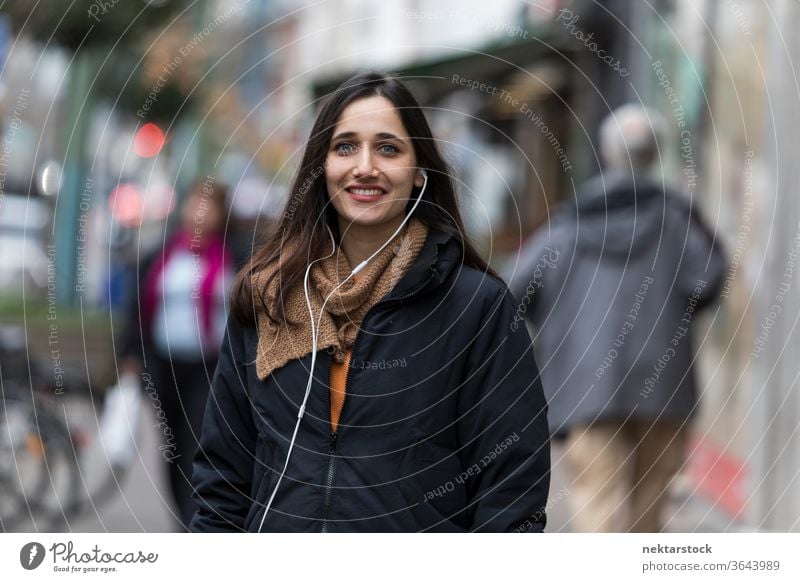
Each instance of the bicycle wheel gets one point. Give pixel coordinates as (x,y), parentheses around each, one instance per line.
(22,468)
(38,466)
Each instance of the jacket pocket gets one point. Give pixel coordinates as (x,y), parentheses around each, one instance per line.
(431,484)
(263,477)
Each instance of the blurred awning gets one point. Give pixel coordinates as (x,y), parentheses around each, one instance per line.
(526,68)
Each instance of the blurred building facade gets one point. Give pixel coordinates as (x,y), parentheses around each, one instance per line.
(515,91)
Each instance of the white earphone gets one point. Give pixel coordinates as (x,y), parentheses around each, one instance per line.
(314,328)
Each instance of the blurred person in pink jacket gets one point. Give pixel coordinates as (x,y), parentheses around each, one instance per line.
(176,321)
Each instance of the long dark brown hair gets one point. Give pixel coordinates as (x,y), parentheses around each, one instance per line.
(308,206)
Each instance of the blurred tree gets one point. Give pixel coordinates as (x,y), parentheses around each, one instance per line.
(95,27)
(107,37)
(85,23)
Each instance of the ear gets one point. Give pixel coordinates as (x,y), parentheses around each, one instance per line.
(418,179)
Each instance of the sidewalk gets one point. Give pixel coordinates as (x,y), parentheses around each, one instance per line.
(142,504)
(685,513)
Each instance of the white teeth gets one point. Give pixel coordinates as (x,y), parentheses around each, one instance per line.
(362,192)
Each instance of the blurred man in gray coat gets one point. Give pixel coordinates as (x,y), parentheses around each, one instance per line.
(613,285)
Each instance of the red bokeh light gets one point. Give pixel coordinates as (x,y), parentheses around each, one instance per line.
(149,140)
(126,205)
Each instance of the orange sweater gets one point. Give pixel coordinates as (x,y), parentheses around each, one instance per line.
(338,379)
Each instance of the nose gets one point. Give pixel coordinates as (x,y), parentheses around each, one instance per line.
(365,165)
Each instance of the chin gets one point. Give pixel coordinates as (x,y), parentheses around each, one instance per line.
(375,221)
(368,221)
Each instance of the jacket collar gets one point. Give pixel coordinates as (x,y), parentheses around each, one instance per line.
(437,259)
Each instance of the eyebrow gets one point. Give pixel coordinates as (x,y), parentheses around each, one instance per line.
(380,135)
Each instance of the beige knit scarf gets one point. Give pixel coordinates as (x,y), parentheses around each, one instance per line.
(338,326)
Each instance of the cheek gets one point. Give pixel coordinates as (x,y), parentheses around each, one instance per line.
(214,218)
(334,172)
(333,186)
(402,178)
(189,212)
(399,170)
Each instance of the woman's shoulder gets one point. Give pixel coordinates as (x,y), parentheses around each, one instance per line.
(469,282)
(241,336)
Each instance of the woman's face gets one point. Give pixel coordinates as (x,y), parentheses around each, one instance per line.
(371,166)
(202,215)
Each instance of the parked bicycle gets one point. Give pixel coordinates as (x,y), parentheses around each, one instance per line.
(42,455)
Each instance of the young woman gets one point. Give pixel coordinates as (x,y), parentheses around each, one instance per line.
(424,411)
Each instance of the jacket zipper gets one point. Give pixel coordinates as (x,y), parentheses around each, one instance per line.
(334,436)
(326,507)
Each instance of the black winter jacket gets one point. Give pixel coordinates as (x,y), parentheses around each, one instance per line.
(443,427)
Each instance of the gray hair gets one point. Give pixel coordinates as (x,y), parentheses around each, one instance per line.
(629,137)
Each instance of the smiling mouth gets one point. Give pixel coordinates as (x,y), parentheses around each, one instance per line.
(369,192)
